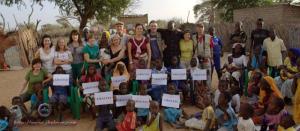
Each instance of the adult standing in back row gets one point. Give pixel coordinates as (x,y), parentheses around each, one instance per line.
(203,50)
(171,37)
(258,35)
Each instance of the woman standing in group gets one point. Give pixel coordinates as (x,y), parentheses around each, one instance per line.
(75,46)
(91,53)
(63,56)
(46,53)
(186,48)
(138,48)
(116,52)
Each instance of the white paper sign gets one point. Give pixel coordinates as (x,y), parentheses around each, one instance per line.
(199,74)
(143,74)
(159,79)
(91,87)
(170,100)
(141,101)
(104,98)
(117,80)
(122,100)
(61,79)
(178,74)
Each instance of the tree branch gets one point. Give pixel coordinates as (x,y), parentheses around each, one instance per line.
(77,7)
(29,16)
(3,19)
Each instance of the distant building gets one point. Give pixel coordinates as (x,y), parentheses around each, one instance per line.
(280,13)
(131,20)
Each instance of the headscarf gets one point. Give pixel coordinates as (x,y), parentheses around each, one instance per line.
(296,52)
(273,87)
(117,73)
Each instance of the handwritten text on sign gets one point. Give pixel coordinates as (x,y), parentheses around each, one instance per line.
(199,74)
(122,100)
(143,74)
(91,87)
(178,74)
(103,98)
(61,79)
(171,100)
(141,101)
(117,80)
(159,79)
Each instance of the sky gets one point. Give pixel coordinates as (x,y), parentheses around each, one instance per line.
(156,9)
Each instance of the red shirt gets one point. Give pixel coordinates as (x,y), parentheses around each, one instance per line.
(143,42)
(128,124)
(94,78)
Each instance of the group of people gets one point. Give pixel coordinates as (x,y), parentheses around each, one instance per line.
(253,89)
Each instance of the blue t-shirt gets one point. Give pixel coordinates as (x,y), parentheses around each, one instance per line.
(217,45)
(155,52)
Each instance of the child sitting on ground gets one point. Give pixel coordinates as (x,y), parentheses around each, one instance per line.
(6,120)
(287,123)
(143,112)
(19,109)
(154,120)
(235,91)
(253,88)
(36,99)
(129,121)
(119,112)
(105,116)
(206,122)
(59,96)
(228,67)
(245,122)
(173,115)
(225,115)
(222,87)
(157,90)
(201,91)
(274,114)
(88,100)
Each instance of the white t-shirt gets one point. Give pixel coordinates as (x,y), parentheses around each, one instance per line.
(47,59)
(235,102)
(245,125)
(240,61)
(64,56)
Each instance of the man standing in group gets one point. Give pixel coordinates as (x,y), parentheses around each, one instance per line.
(238,36)
(156,42)
(119,26)
(171,38)
(217,46)
(276,51)
(203,50)
(258,35)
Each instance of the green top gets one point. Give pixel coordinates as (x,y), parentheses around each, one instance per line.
(186,48)
(31,78)
(93,52)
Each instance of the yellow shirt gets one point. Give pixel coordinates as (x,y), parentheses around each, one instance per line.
(208,113)
(288,64)
(186,48)
(288,129)
(274,49)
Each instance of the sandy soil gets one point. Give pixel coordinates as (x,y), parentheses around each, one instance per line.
(11,83)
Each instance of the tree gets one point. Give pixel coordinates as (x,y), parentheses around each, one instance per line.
(84,10)
(206,9)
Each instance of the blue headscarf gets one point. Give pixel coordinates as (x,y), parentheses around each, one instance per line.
(296,52)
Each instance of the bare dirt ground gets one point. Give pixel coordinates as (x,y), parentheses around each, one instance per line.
(11,84)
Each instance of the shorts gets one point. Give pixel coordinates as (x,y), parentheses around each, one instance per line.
(58,98)
(105,122)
